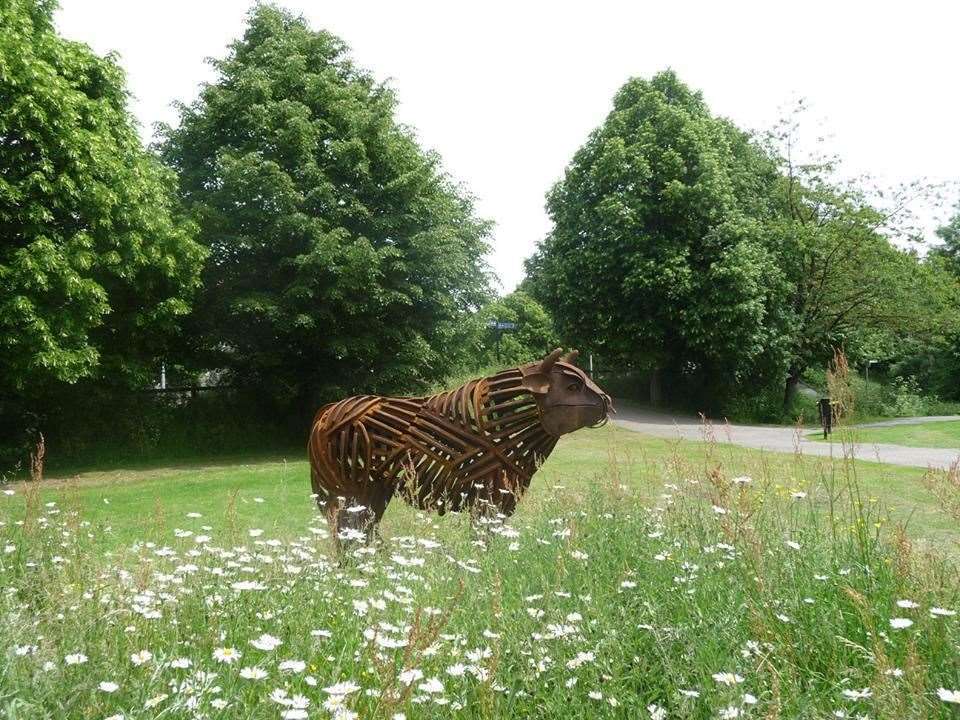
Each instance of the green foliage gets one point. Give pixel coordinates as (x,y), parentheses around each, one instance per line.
(682,244)
(851,288)
(658,255)
(342,259)
(949,234)
(905,398)
(533,337)
(95,266)
(98,426)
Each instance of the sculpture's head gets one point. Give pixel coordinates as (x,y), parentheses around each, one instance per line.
(568,399)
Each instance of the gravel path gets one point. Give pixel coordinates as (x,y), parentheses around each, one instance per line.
(778,439)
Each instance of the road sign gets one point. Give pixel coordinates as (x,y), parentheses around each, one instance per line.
(500,326)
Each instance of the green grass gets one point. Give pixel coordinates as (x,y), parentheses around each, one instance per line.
(273,491)
(634,571)
(944,434)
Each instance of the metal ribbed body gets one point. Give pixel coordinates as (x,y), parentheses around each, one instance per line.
(479,443)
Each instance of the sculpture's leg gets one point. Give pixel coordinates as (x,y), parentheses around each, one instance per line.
(497,499)
(378,498)
(483,509)
(354,520)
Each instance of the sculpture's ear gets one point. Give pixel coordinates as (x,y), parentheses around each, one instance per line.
(536,379)
(537,382)
(570,357)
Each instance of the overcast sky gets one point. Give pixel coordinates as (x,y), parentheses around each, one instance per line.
(507,91)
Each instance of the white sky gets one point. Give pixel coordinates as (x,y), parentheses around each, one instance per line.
(507,91)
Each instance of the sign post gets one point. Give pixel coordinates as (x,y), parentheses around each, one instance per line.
(499,326)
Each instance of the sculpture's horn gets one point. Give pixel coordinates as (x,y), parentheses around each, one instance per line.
(570,357)
(547,364)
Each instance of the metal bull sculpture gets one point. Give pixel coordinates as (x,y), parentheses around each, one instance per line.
(475,447)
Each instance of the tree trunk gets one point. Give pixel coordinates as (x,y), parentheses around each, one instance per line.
(790,390)
(656,396)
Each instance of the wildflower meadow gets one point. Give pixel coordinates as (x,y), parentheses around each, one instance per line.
(699,583)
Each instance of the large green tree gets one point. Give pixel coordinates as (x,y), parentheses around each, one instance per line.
(342,258)
(851,287)
(95,265)
(934,360)
(949,247)
(658,254)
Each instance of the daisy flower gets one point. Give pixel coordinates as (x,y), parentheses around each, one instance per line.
(141,658)
(267,642)
(727,678)
(227,655)
(949,696)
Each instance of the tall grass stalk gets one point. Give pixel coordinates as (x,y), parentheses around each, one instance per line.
(680,591)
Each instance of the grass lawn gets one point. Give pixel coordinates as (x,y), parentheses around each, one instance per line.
(274,491)
(640,578)
(944,434)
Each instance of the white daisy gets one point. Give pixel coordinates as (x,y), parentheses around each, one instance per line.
(141,658)
(727,678)
(227,655)
(267,642)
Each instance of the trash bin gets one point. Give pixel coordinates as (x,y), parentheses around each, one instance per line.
(826,416)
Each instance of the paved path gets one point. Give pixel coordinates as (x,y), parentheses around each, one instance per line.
(778,439)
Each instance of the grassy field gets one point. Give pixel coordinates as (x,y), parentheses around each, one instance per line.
(273,491)
(934,434)
(640,578)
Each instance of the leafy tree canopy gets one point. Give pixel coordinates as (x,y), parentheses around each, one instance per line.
(851,287)
(342,258)
(949,250)
(95,266)
(658,252)
(532,337)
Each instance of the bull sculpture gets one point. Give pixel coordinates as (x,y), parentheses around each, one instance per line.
(472,448)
